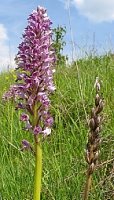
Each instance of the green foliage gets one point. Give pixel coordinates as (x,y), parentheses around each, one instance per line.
(64,165)
(59,43)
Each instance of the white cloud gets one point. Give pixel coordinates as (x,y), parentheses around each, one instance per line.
(5,54)
(95,10)
(3,34)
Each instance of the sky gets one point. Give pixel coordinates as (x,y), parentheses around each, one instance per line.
(89,25)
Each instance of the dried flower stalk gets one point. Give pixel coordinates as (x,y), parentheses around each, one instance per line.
(92,149)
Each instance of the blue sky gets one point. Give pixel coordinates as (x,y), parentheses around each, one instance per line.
(92,21)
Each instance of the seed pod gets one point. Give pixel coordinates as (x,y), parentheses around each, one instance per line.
(92,167)
(99,107)
(87,157)
(92,124)
(97,121)
(97,84)
(95,147)
(97,99)
(101,104)
(96,156)
(98,87)
(96,132)
(92,112)
(96,143)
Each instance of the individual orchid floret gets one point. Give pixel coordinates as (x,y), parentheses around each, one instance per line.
(37,130)
(25,145)
(47,131)
(24,117)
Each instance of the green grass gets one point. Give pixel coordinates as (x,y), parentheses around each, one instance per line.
(64,166)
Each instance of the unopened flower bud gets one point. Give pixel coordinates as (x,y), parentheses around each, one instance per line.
(24,117)
(25,145)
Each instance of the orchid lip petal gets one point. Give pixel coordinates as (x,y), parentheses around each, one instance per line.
(47,131)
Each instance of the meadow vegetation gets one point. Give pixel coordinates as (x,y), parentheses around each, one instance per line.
(64,165)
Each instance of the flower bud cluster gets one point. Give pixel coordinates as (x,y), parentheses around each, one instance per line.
(35,60)
(92,150)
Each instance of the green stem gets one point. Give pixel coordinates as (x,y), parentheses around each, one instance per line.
(38,172)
